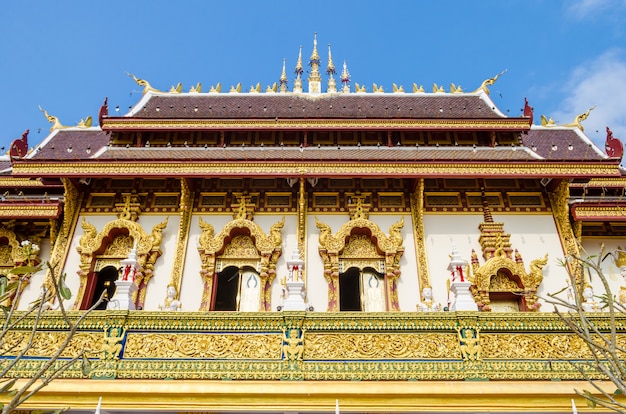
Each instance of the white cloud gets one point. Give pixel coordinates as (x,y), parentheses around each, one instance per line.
(601,82)
(581,9)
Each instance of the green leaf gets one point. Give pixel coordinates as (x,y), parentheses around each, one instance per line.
(589,399)
(85,365)
(24,270)
(65,292)
(8,385)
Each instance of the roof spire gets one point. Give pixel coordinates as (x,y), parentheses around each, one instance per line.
(283,78)
(330,70)
(297,85)
(315,80)
(345,78)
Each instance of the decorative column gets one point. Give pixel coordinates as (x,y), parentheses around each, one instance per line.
(125,284)
(460,287)
(295,294)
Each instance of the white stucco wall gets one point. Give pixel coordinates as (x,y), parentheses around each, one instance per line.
(532,235)
(32,291)
(592,247)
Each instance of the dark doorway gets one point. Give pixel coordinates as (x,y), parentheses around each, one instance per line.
(227,289)
(350,290)
(105,280)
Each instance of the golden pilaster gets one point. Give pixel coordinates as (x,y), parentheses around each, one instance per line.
(186,200)
(417,211)
(560,210)
(71,210)
(302,215)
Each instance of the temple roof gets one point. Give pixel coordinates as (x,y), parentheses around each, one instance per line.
(299,106)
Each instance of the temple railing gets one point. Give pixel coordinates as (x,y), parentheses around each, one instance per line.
(313,345)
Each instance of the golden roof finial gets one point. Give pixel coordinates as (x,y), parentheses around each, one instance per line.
(315,80)
(297,84)
(142,82)
(56,124)
(283,77)
(345,77)
(579,119)
(489,82)
(299,69)
(330,70)
(315,57)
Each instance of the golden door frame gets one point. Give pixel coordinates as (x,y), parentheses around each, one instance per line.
(488,279)
(212,248)
(93,243)
(390,249)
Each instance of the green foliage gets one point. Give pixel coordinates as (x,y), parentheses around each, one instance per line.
(25,270)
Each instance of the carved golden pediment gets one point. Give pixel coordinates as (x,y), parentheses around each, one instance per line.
(92,240)
(264,243)
(502,274)
(337,242)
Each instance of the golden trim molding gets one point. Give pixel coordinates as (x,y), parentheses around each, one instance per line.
(361,396)
(315,169)
(501,124)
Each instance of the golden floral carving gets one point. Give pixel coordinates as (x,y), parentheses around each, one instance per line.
(387,248)
(46,343)
(205,345)
(536,346)
(335,346)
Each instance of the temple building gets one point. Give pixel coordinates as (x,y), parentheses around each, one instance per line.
(308,247)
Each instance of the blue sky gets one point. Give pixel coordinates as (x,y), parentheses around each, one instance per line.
(67,56)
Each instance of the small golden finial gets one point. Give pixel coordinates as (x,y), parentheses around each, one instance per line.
(196,89)
(271,89)
(345,77)
(216,89)
(235,89)
(177,89)
(397,89)
(437,89)
(377,89)
(578,120)
(283,78)
(455,89)
(417,89)
(546,121)
(255,89)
